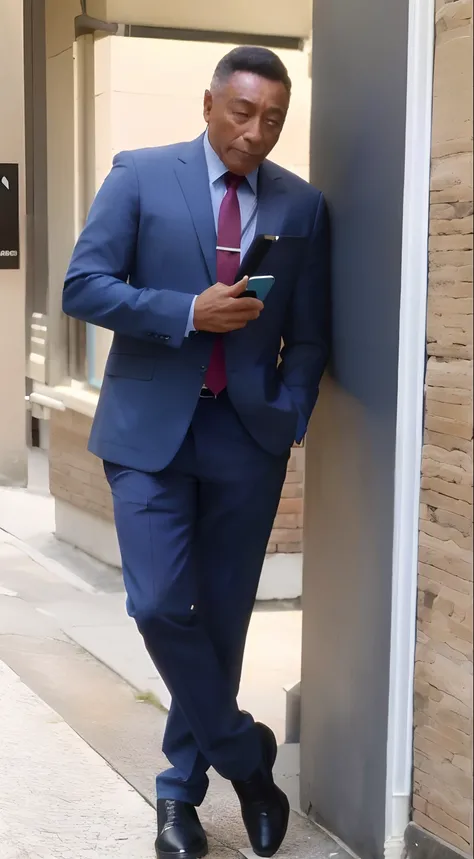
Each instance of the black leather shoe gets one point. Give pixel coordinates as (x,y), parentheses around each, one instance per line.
(265,808)
(180,834)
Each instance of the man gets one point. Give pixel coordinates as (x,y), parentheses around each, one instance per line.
(197,414)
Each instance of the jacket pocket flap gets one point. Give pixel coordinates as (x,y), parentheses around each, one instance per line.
(130,366)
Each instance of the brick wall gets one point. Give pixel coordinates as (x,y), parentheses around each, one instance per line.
(288,531)
(78,478)
(443,687)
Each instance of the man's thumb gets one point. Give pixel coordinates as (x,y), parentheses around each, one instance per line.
(238,288)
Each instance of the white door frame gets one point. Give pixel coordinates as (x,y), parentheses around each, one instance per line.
(409,437)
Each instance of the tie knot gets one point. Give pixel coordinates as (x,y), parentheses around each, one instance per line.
(233,181)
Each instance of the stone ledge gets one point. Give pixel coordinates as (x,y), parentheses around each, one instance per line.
(282,574)
(421,844)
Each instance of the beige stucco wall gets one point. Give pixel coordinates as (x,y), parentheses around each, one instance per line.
(276,17)
(149,92)
(157,89)
(443,700)
(12,283)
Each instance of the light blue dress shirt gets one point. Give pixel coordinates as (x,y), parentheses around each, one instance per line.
(247,194)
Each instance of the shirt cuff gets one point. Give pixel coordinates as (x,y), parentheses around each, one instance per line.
(190,326)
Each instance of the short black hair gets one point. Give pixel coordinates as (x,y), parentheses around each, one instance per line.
(257,61)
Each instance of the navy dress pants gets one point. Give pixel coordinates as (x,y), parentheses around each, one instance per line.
(193,539)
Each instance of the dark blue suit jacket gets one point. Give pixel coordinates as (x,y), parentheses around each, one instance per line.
(148,247)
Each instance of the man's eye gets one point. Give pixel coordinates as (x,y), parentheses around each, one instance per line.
(241,114)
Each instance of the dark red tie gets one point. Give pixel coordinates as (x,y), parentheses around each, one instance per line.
(229,235)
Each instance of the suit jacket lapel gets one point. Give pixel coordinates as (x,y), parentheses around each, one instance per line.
(272,203)
(272,212)
(191,171)
(271,200)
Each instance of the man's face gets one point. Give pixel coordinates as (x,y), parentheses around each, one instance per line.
(245,115)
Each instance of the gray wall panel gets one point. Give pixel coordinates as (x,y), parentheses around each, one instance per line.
(358,142)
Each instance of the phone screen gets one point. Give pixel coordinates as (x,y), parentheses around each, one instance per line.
(261,285)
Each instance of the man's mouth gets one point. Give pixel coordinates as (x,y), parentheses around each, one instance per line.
(246,154)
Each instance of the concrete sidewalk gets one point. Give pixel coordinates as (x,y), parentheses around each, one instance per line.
(58,798)
(63,627)
(87,600)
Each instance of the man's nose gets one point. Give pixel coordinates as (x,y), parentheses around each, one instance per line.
(253,132)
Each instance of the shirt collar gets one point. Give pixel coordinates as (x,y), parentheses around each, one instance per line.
(217,169)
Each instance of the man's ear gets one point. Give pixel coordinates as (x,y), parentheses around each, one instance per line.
(207,104)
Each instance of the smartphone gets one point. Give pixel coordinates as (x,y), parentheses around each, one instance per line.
(260,285)
(256,255)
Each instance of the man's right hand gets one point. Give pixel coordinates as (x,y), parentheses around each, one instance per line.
(220,309)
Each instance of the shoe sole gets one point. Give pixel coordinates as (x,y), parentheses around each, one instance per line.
(200,855)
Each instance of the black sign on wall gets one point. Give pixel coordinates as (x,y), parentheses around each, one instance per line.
(9,217)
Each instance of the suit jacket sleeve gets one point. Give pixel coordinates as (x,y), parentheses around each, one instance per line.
(96,288)
(306,334)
